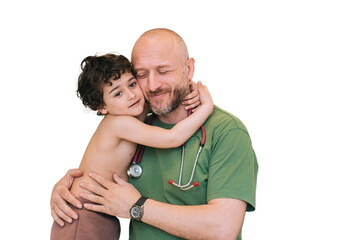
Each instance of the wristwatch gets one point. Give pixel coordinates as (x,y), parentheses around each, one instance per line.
(137,210)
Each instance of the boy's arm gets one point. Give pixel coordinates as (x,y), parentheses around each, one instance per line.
(145,112)
(191,101)
(133,130)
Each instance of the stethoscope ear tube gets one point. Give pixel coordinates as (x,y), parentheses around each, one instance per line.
(135,169)
(187,186)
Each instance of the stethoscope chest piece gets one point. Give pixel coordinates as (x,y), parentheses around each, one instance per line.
(134,170)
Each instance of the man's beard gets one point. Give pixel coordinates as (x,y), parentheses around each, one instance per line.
(178,94)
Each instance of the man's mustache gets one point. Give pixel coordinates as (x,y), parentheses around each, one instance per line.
(157,92)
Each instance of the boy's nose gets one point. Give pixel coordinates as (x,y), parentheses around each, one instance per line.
(131,95)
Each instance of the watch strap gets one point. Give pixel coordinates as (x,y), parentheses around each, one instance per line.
(141,201)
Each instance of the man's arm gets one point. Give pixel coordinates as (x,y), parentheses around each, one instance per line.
(220,218)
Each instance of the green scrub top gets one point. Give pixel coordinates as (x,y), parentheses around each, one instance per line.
(227,168)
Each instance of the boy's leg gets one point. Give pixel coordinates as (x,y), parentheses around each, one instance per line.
(90,226)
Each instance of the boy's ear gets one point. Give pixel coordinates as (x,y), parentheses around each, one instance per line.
(103,111)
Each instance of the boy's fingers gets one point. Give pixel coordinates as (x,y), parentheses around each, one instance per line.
(192,105)
(191,95)
(192,101)
(193,86)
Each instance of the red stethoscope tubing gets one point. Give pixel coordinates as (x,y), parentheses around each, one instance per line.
(140,151)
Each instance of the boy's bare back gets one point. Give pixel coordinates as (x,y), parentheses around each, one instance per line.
(105,154)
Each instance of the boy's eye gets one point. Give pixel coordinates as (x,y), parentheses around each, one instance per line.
(117,94)
(132,84)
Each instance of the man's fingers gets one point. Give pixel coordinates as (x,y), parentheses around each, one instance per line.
(93,198)
(96,208)
(56,218)
(118,180)
(59,214)
(71,175)
(75,172)
(68,197)
(93,188)
(63,210)
(100,179)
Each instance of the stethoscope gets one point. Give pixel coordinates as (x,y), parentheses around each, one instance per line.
(135,169)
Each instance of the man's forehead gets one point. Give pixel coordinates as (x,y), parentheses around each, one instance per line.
(153,58)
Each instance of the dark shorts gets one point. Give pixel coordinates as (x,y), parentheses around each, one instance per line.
(90,226)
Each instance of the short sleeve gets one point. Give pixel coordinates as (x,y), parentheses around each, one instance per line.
(233,168)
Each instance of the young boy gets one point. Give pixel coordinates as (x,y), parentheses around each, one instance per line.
(108,84)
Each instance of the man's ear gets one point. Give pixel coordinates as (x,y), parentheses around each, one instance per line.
(190,68)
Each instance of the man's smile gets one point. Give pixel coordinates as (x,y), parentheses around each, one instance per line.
(158,95)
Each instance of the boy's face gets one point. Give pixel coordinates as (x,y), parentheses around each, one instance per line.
(123,97)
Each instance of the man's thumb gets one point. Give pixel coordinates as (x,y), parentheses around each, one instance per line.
(117,179)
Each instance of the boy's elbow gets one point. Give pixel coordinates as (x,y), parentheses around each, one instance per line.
(174,142)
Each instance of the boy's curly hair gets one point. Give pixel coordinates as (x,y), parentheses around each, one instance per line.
(98,71)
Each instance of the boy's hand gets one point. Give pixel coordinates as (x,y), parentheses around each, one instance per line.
(192,100)
(205,97)
(61,195)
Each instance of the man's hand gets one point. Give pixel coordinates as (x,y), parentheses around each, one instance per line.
(114,199)
(61,195)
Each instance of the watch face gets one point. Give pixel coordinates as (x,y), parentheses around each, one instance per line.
(135,212)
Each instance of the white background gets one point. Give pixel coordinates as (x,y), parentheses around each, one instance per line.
(288,69)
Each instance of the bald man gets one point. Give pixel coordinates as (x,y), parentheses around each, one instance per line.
(226,169)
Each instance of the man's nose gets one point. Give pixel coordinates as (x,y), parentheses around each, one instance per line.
(153,82)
